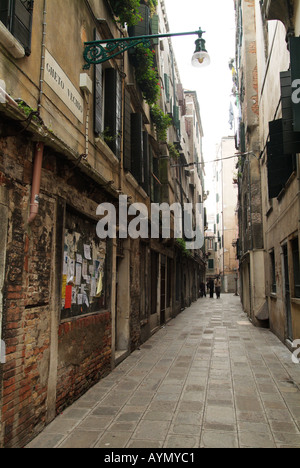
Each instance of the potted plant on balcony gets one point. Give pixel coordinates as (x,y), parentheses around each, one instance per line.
(127,11)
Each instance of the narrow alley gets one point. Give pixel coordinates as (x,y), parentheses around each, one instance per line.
(207,379)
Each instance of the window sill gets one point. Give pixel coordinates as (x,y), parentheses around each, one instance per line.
(273,296)
(10,43)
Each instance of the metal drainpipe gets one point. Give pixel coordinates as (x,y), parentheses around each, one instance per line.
(39,148)
(36,181)
(42,70)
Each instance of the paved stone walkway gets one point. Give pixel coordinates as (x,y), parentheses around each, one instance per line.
(207,379)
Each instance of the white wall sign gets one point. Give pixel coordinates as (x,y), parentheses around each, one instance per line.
(62,86)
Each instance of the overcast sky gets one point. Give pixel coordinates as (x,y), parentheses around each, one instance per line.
(213,84)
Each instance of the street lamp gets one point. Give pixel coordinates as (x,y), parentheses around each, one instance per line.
(97,52)
(200,57)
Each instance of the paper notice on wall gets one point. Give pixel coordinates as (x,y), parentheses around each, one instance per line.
(99,285)
(86,300)
(87,252)
(84,268)
(65,265)
(78,258)
(93,287)
(74,296)
(78,274)
(70,271)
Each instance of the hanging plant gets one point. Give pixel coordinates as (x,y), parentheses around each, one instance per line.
(146,74)
(161,122)
(127,11)
(152,4)
(173,151)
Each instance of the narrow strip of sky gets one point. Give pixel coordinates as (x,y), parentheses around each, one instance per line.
(213,84)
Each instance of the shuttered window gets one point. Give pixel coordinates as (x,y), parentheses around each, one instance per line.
(146,162)
(127,131)
(16,15)
(167,87)
(113,110)
(137,160)
(143,27)
(154,22)
(280,165)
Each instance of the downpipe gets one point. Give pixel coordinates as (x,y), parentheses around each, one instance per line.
(36,182)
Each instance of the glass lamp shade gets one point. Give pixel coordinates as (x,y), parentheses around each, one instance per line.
(201,59)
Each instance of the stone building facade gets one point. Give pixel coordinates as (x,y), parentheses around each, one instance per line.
(72,304)
(268,139)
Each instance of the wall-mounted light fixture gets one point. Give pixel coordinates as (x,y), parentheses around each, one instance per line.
(97,52)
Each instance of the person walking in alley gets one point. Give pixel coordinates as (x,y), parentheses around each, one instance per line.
(211,288)
(202,290)
(218,287)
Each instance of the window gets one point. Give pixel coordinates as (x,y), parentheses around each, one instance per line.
(211,264)
(167,87)
(16,15)
(273,272)
(296,267)
(113,110)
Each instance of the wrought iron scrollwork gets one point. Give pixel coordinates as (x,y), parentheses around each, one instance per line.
(99,52)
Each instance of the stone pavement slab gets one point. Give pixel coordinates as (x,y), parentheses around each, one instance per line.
(208,379)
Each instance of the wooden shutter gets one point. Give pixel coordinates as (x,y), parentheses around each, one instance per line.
(137,162)
(113,110)
(98,94)
(143,27)
(146,185)
(21,25)
(291,139)
(280,166)
(5,13)
(127,132)
(167,87)
(154,22)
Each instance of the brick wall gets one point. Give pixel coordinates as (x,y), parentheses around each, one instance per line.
(84,348)
(25,327)
(84,356)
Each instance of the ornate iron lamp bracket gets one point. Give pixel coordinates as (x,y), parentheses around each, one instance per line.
(98,52)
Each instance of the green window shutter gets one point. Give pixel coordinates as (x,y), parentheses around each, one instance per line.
(291,138)
(167,87)
(127,132)
(5,13)
(143,27)
(21,25)
(113,109)
(176,119)
(98,95)
(280,165)
(154,22)
(146,184)
(137,163)
(16,15)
